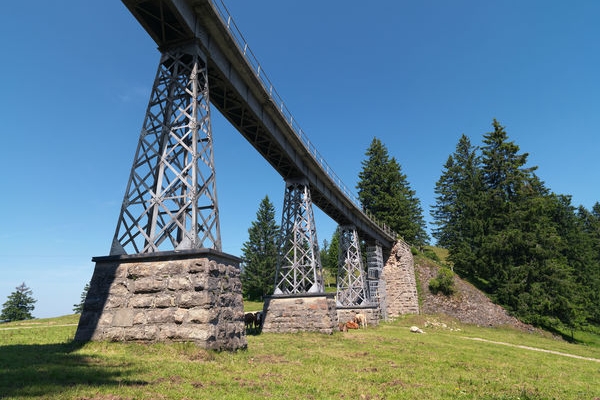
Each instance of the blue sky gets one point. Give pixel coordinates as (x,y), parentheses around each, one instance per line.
(76,77)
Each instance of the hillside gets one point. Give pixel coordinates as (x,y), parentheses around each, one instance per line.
(468,305)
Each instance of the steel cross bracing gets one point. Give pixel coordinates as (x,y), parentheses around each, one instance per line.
(299,267)
(351,290)
(243,93)
(171,199)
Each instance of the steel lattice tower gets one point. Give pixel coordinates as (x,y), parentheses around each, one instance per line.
(351,289)
(299,268)
(171,200)
(377,290)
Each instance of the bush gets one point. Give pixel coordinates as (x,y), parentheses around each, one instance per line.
(443,282)
(429,253)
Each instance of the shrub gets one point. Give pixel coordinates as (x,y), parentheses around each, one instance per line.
(429,253)
(443,282)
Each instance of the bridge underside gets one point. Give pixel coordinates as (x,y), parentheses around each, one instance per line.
(239,93)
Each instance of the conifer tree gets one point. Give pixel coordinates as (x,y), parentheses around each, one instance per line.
(456,213)
(260,254)
(508,233)
(19,304)
(78,308)
(385,192)
(587,269)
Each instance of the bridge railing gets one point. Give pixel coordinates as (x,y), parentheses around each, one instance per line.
(253,62)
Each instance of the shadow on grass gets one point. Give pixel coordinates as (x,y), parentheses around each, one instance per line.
(43,370)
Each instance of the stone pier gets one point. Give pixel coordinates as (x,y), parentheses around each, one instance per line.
(307,312)
(400,282)
(187,296)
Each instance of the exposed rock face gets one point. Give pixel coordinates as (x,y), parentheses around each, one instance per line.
(195,297)
(300,313)
(400,283)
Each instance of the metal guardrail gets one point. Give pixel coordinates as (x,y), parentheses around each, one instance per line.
(252,61)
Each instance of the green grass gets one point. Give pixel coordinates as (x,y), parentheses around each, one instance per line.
(38,360)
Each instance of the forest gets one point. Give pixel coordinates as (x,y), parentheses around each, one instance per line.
(531,250)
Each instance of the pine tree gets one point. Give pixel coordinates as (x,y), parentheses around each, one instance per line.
(384,191)
(260,254)
(78,308)
(19,305)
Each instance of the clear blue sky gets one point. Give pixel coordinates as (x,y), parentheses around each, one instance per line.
(76,76)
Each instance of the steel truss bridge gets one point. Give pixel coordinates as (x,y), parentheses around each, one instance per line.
(171,200)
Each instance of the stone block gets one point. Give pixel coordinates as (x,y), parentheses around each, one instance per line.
(194,299)
(123,317)
(141,270)
(164,300)
(179,283)
(171,268)
(160,316)
(148,285)
(142,300)
(198,316)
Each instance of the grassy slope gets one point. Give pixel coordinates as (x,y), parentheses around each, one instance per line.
(38,360)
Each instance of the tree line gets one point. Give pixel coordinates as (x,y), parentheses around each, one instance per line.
(530,249)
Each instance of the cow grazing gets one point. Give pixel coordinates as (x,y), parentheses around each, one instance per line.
(361,320)
(351,325)
(258,319)
(249,320)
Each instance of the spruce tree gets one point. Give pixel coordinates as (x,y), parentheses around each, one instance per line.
(19,305)
(260,254)
(508,233)
(587,267)
(78,308)
(456,214)
(385,192)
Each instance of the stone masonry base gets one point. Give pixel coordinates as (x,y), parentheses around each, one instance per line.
(190,296)
(300,313)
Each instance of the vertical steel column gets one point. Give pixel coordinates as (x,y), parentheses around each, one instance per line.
(377,292)
(299,268)
(351,290)
(171,200)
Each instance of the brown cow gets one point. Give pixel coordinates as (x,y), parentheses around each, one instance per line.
(351,325)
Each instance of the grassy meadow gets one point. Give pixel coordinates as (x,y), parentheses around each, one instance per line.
(449,361)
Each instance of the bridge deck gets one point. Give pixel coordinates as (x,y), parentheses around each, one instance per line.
(240,90)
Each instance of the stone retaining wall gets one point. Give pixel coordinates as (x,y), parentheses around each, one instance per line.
(300,313)
(169,296)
